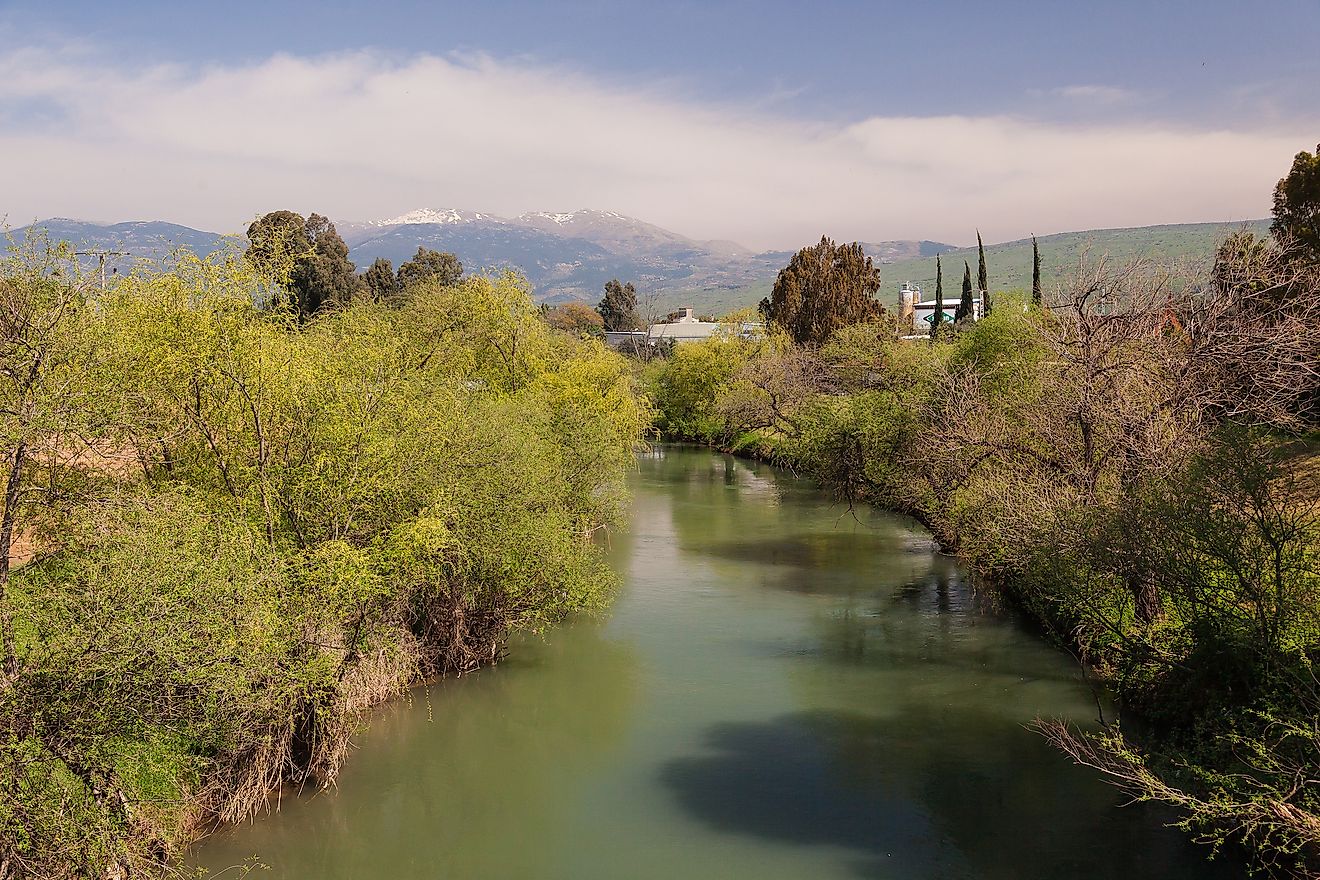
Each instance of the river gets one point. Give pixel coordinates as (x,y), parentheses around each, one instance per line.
(784,689)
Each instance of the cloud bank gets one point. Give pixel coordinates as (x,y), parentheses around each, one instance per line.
(363,135)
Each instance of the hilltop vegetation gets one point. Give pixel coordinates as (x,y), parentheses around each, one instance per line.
(1192,245)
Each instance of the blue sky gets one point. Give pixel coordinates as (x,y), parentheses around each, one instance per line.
(803,85)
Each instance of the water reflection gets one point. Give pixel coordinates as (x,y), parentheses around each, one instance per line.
(938,792)
(785,689)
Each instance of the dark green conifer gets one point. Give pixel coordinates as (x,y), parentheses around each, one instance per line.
(822,289)
(937,318)
(982,279)
(964,312)
(1036,299)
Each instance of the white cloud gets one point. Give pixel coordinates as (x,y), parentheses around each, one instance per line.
(1094,94)
(360,135)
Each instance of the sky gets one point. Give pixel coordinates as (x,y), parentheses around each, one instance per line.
(765,123)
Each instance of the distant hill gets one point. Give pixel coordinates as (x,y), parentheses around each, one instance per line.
(139,241)
(566,255)
(1008,263)
(571,255)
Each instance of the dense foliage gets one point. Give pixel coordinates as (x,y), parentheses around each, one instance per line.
(1135,466)
(431,266)
(1297,205)
(247,528)
(618,308)
(305,257)
(823,288)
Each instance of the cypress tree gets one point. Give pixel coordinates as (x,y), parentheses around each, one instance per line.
(1035,274)
(982,279)
(937,318)
(964,310)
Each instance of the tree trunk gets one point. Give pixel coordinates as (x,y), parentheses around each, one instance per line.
(1147,599)
(8,663)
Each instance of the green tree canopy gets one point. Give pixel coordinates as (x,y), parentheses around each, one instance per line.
(380,281)
(444,269)
(575,317)
(306,257)
(822,289)
(618,308)
(1297,205)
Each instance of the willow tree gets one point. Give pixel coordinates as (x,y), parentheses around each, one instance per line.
(822,289)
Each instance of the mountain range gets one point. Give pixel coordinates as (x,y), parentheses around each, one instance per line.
(565,255)
(571,255)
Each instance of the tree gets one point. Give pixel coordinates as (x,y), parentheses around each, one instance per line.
(938,318)
(276,242)
(1297,206)
(380,282)
(575,317)
(1036,299)
(326,277)
(824,288)
(982,279)
(443,269)
(965,310)
(306,257)
(618,308)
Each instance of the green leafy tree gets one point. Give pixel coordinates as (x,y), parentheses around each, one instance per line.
(575,317)
(443,269)
(1297,205)
(618,308)
(982,278)
(937,319)
(380,282)
(824,288)
(325,278)
(1036,298)
(306,257)
(276,243)
(965,310)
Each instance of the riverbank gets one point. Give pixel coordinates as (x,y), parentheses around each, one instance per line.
(778,692)
(1084,464)
(321,514)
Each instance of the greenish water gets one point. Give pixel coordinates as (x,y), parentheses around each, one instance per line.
(783,690)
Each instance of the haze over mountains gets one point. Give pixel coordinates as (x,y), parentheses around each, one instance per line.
(566,255)
(571,255)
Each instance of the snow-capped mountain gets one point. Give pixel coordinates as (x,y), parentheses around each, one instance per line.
(432,215)
(566,255)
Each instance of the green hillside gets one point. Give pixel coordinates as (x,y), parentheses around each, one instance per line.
(1010,262)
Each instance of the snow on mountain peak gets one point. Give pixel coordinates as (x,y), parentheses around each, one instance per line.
(433,215)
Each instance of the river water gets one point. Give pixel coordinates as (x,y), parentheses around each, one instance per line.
(784,689)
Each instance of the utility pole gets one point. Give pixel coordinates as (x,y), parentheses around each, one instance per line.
(101,255)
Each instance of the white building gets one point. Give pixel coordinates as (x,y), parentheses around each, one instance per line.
(916,315)
(687,328)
